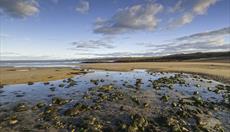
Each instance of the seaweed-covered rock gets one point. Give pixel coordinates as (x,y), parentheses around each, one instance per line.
(40,105)
(59,101)
(138,83)
(105,88)
(168,81)
(165,98)
(208,123)
(21,107)
(13,120)
(94,81)
(77,109)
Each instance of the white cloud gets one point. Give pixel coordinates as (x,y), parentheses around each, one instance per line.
(185,19)
(82,6)
(136,17)
(19,8)
(177,7)
(92,44)
(200,8)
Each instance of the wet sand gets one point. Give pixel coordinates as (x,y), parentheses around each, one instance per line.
(217,71)
(25,75)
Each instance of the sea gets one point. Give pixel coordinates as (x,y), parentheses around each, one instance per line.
(39,63)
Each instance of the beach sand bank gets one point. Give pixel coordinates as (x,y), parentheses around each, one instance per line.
(25,75)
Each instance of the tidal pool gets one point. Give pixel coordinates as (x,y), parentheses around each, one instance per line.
(117,101)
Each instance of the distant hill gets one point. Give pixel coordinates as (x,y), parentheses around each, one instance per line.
(199,56)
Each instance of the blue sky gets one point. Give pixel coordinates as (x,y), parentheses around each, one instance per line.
(75,29)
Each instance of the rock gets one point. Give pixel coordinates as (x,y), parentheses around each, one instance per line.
(1,91)
(146,105)
(30,83)
(208,123)
(121,108)
(138,83)
(72,112)
(138,123)
(19,95)
(134,99)
(165,98)
(52,88)
(132,128)
(50,113)
(168,81)
(71,82)
(174,104)
(220,87)
(198,100)
(77,109)
(40,105)
(50,109)
(13,120)
(105,88)
(94,81)
(59,101)
(21,107)
(46,83)
(1,85)
(195,93)
(61,85)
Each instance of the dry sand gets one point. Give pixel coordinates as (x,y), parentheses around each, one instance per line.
(217,71)
(25,75)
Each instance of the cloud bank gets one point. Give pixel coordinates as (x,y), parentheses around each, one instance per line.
(136,17)
(210,41)
(19,8)
(205,41)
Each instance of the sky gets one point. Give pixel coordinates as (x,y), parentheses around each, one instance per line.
(78,29)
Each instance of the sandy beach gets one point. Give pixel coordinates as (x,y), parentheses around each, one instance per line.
(217,71)
(25,75)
